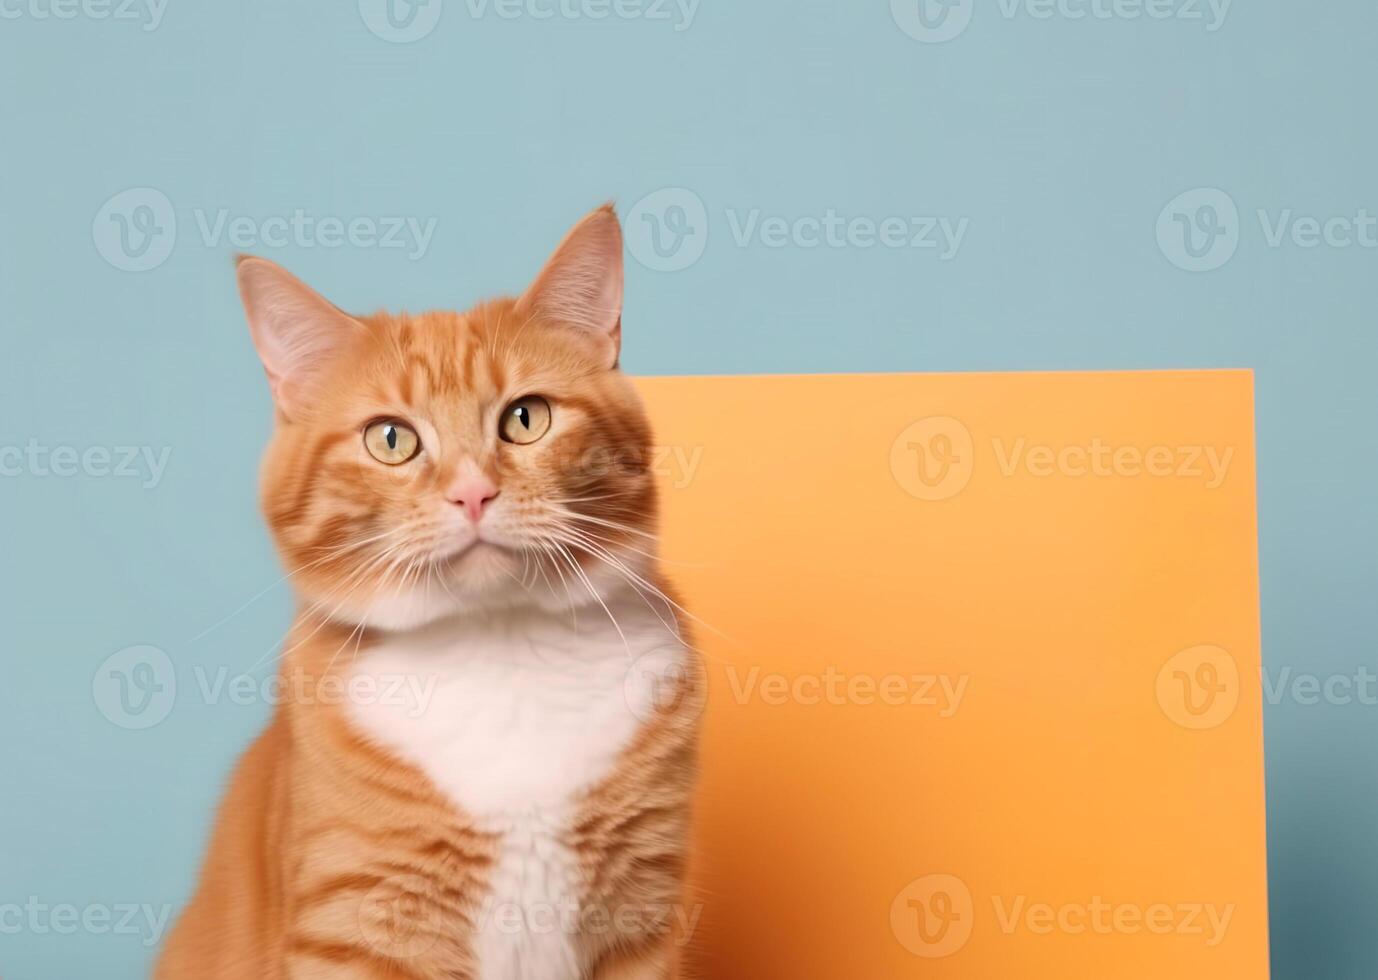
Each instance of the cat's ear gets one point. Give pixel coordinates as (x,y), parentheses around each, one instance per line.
(581,284)
(295,330)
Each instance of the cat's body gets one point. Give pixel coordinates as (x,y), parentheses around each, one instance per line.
(482,768)
(526,718)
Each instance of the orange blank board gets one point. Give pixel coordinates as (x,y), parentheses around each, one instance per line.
(982,655)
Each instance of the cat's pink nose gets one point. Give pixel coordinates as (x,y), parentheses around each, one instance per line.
(473,492)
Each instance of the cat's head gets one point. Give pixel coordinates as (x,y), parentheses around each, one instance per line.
(437,463)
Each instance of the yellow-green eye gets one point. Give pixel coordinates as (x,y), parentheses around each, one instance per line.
(525,420)
(391,442)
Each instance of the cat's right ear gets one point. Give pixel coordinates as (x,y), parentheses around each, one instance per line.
(295,330)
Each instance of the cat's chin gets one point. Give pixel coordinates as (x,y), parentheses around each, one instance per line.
(489,579)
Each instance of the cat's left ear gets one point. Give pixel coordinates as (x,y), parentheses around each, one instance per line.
(581,284)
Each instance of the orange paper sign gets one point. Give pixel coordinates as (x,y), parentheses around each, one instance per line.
(983,663)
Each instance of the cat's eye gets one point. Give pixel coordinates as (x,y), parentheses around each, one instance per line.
(525,420)
(391,442)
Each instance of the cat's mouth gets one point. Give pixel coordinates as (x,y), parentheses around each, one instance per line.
(472,549)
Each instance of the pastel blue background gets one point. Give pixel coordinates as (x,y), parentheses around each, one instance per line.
(1060,140)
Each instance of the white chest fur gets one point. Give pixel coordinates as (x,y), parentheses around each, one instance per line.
(514,718)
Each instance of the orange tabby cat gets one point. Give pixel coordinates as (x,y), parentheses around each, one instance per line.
(475,771)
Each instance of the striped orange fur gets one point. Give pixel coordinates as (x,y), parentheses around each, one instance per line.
(520,808)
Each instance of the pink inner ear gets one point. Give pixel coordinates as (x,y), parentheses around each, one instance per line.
(581,284)
(294,329)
